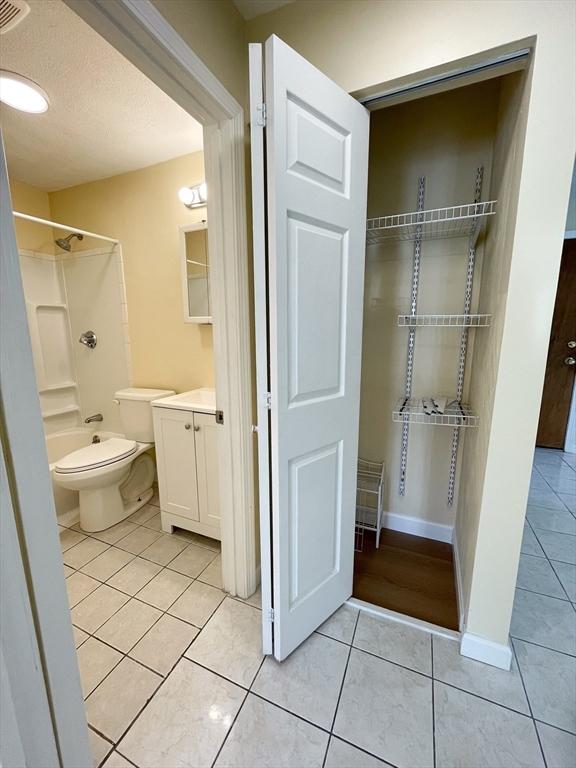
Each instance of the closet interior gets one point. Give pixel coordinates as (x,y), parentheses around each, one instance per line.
(435,170)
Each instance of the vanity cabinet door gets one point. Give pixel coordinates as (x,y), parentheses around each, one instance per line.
(207,469)
(176,461)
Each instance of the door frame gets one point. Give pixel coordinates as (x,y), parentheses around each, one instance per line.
(139,31)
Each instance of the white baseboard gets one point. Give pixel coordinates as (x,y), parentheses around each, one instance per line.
(459,585)
(417,527)
(480,648)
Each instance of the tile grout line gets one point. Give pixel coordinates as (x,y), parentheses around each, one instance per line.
(515,656)
(546,647)
(554,491)
(558,577)
(545,594)
(337,707)
(557,727)
(550,561)
(240,708)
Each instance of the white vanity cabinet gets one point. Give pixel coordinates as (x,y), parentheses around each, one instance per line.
(185,434)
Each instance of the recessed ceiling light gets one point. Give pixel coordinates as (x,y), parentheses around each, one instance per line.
(21,93)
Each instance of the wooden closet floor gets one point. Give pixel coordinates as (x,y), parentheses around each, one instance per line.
(408,574)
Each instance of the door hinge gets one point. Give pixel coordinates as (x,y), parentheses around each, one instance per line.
(271,615)
(267,400)
(261,114)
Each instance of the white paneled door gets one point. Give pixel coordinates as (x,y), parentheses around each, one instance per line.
(309,297)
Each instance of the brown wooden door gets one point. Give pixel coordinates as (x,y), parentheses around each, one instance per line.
(559,380)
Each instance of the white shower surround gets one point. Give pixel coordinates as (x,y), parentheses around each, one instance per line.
(67,294)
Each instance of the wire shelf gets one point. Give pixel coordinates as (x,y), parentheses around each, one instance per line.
(445,321)
(433,224)
(369,500)
(455,414)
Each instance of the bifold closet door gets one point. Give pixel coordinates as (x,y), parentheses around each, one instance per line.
(312,281)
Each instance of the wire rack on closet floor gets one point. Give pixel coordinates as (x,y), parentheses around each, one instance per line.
(369,500)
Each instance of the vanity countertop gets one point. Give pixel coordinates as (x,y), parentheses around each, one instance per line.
(199,400)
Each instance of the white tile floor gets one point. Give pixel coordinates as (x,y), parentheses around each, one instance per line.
(173,675)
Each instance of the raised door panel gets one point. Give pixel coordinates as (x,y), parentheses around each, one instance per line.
(207,470)
(176,461)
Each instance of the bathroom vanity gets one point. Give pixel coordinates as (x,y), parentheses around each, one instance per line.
(186,455)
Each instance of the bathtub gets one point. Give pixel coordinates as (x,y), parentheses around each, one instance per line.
(58,445)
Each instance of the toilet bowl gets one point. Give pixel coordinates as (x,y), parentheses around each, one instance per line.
(114,477)
(100,472)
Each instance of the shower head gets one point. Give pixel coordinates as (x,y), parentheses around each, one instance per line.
(64,242)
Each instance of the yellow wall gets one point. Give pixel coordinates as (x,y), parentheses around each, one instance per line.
(142,210)
(214,30)
(27,199)
(444,138)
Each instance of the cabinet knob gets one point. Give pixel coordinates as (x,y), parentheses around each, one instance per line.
(187,426)
(196,428)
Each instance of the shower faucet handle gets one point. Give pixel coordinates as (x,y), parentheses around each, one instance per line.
(88,338)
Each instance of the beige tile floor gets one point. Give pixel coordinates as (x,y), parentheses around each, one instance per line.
(173,675)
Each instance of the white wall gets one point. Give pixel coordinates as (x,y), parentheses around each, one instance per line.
(96,301)
(444,138)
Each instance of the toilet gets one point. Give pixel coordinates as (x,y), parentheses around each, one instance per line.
(114,477)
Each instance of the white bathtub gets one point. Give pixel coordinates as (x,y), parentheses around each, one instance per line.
(58,445)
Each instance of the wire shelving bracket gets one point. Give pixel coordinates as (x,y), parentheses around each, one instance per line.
(445,321)
(413,410)
(432,224)
(456,221)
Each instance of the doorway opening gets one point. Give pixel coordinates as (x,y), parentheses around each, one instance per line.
(427,318)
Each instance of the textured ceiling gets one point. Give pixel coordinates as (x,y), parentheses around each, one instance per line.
(105,116)
(251,8)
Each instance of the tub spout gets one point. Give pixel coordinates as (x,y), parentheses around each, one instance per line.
(95,417)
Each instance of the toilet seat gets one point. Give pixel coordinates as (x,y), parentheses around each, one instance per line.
(97,455)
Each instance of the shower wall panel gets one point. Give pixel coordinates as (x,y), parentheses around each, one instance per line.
(96,300)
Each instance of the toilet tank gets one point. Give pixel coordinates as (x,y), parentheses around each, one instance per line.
(136,411)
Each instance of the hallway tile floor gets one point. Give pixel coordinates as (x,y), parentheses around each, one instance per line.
(173,675)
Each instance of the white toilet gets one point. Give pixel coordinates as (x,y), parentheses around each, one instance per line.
(114,477)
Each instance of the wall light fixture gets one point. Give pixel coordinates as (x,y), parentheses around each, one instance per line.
(193,197)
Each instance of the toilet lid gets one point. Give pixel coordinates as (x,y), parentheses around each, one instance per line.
(97,455)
